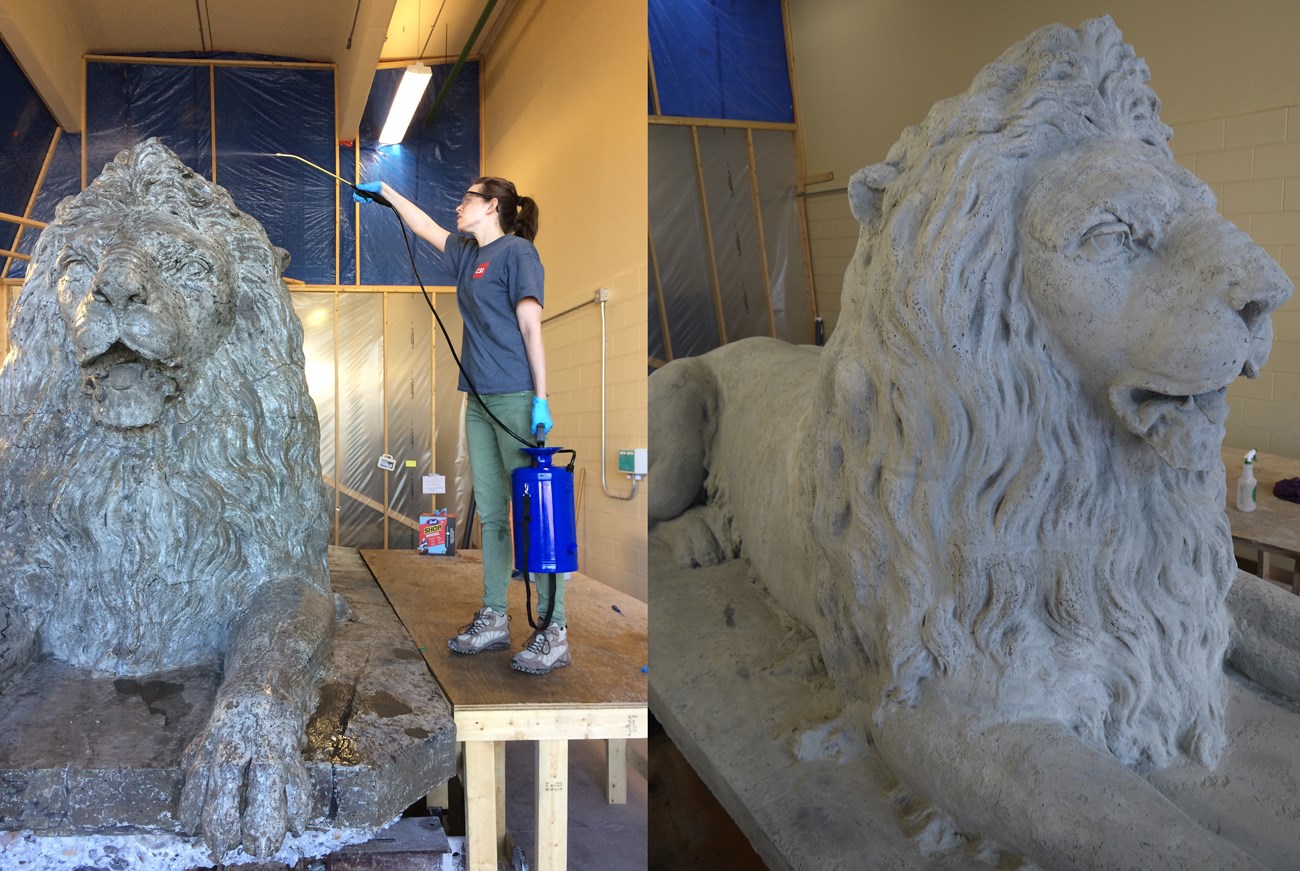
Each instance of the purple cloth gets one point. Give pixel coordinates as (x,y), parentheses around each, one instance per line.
(1288,489)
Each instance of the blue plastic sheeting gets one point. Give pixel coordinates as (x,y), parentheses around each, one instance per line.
(433,167)
(62,179)
(26,129)
(261,111)
(721,59)
(347,223)
(128,103)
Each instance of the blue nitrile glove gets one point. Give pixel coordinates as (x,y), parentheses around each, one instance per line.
(371,186)
(541,416)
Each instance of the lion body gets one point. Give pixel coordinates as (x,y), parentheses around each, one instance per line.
(996,496)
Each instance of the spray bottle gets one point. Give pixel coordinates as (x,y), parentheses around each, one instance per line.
(1246,484)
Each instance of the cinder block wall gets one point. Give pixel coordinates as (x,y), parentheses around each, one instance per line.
(1252,162)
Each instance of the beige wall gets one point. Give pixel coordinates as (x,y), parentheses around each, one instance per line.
(1228,76)
(1252,161)
(565,120)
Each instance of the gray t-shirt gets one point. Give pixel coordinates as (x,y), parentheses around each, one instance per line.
(490,282)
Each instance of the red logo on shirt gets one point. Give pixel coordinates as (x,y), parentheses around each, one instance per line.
(481,270)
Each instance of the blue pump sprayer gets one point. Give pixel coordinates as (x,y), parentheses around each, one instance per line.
(546,541)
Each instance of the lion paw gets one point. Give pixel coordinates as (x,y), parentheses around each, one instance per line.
(245,782)
(697,539)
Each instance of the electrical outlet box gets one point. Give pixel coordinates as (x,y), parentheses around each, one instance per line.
(632,462)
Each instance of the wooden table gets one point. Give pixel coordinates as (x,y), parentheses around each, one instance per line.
(1274,526)
(601,695)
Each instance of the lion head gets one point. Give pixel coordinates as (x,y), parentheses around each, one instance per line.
(159,450)
(1021,485)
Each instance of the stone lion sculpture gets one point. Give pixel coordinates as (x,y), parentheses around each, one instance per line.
(1019,569)
(159,459)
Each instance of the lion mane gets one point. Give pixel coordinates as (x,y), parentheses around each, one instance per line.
(130,550)
(962,554)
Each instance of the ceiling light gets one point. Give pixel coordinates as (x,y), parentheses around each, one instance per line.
(415,81)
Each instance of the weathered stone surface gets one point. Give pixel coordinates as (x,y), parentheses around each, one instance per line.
(163,507)
(102,756)
(995,497)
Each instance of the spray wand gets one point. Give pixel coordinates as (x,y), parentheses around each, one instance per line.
(370,195)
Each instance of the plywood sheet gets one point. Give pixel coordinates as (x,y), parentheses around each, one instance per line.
(435,596)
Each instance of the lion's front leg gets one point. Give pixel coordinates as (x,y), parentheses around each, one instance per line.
(1266,634)
(1034,788)
(245,780)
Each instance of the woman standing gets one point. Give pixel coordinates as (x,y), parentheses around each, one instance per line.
(499,281)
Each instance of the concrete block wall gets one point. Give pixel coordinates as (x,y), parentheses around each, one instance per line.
(611,531)
(1252,163)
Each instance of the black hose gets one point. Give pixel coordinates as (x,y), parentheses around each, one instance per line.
(528,596)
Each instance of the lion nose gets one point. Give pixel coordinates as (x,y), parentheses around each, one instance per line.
(1257,287)
(121,281)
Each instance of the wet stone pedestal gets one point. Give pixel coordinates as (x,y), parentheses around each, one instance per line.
(90,773)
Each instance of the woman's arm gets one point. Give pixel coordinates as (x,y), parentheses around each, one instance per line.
(529,315)
(416,218)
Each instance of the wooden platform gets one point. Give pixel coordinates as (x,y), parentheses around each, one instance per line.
(601,695)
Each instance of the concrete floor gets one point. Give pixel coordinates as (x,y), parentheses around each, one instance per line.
(602,836)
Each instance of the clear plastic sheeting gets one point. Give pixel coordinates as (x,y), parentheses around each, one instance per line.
(448,403)
(62,179)
(27,129)
(409,392)
(432,166)
(724,156)
(316,311)
(778,189)
(677,234)
(127,103)
(360,362)
(721,59)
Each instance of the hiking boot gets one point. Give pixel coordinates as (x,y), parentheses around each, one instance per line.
(487,631)
(544,651)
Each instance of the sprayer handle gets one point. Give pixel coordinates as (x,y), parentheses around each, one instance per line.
(372,196)
(539,435)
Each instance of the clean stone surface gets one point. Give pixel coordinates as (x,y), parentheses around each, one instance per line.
(995,497)
(100,758)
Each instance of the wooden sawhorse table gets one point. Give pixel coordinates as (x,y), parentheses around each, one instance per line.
(1273,528)
(601,695)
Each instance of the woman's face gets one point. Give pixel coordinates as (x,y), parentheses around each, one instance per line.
(475,209)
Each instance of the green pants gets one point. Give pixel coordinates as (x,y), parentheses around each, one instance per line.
(493,455)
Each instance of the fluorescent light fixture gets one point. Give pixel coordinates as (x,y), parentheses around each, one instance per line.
(415,81)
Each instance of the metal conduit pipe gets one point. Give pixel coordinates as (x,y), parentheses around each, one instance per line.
(603,461)
(460,62)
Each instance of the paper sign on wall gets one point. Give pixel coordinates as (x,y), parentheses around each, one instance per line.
(435,484)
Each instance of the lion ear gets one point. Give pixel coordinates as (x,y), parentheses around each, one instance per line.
(866,187)
(282,257)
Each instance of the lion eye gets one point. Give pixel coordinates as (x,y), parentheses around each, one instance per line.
(192,268)
(1108,240)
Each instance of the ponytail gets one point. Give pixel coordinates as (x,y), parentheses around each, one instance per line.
(516,214)
(526,222)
